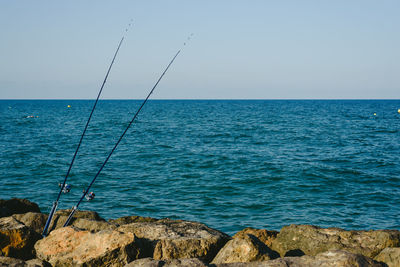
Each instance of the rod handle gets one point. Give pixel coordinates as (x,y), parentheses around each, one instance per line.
(49,219)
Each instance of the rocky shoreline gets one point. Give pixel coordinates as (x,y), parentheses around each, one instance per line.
(143,241)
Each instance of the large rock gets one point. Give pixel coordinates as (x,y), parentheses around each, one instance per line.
(390,256)
(12,262)
(173,239)
(73,247)
(149,262)
(16,239)
(17,206)
(263,235)
(244,248)
(297,240)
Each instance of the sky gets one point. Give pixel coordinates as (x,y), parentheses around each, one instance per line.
(258,49)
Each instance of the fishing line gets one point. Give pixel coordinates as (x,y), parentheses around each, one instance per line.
(63,187)
(120,138)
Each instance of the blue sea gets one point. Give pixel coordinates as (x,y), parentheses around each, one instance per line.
(227,163)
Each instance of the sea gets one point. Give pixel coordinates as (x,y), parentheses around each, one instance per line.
(229,164)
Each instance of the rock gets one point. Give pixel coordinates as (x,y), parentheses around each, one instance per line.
(390,256)
(34,220)
(325,259)
(263,235)
(37,263)
(16,239)
(173,239)
(12,262)
(146,262)
(37,221)
(82,214)
(74,247)
(131,219)
(17,206)
(244,248)
(297,240)
(7,261)
(149,262)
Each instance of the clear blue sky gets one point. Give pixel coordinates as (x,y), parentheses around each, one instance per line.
(241,49)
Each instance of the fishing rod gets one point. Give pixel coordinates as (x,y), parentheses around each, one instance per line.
(91,195)
(64,187)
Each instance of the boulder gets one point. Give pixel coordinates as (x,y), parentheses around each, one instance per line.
(70,246)
(12,262)
(17,206)
(297,240)
(244,248)
(16,239)
(131,219)
(174,239)
(390,256)
(263,235)
(149,262)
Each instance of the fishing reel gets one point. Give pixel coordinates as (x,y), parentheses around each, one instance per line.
(66,188)
(89,196)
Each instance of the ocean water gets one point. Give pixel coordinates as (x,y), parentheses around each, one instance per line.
(229,164)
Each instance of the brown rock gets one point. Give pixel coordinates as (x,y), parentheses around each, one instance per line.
(71,246)
(263,235)
(172,239)
(244,248)
(17,206)
(16,240)
(390,256)
(131,219)
(297,240)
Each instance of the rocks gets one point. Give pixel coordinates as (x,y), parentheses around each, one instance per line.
(16,206)
(244,248)
(71,246)
(172,239)
(296,240)
(390,256)
(16,239)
